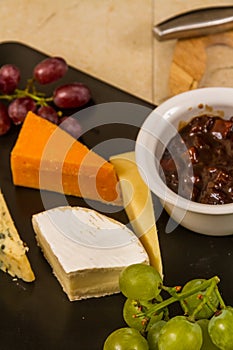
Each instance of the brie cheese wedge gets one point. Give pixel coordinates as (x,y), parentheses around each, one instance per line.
(86,250)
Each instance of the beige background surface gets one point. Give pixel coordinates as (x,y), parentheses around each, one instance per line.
(110,39)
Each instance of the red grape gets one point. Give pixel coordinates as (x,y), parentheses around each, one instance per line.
(22,100)
(9,78)
(5,122)
(19,108)
(71,95)
(71,125)
(49,113)
(50,70)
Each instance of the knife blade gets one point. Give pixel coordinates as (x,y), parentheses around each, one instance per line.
(195,23)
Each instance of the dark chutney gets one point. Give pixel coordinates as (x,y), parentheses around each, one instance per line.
(198,161)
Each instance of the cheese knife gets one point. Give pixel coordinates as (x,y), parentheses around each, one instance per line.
(195,23)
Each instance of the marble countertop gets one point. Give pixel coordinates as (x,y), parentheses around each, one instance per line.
(109,39)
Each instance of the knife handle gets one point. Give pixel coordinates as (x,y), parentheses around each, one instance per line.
(195,23)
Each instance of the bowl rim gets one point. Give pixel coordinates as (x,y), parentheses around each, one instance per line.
(210,95)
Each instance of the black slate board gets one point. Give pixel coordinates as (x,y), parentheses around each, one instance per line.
(39,315)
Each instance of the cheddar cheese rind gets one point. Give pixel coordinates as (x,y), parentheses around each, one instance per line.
(48,158)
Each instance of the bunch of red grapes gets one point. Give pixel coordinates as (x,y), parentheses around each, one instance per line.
(21,101)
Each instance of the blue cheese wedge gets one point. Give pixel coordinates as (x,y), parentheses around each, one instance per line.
(13,259)
(86,250)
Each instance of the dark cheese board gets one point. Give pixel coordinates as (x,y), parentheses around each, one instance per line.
(39,315)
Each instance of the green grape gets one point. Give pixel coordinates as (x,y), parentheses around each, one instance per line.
(140,281)
(153,334)
(207,342)
(221,329)
(230,308)
(180,334)
(125,339)
(193,301)
(131,311)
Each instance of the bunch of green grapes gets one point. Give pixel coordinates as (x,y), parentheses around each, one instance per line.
(205,324)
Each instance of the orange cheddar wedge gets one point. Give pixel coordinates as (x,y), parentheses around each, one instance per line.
(48,158)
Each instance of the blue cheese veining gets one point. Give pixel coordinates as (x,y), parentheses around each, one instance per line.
(13,259)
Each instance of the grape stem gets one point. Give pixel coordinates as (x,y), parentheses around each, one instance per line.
(209,284)
(36,96)
(205,300)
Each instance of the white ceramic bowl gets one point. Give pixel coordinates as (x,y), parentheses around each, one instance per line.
(159,127)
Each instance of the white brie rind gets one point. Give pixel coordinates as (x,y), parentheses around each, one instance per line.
(86,250)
